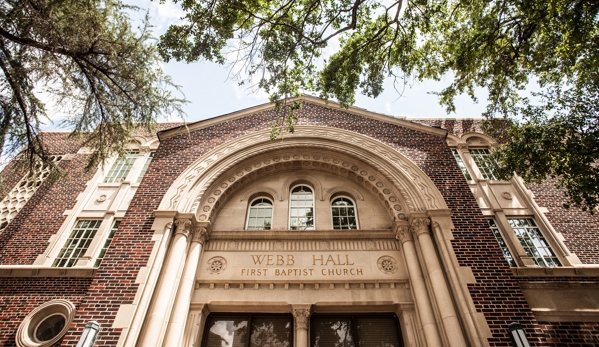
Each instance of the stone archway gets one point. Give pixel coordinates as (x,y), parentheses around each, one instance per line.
(413,185)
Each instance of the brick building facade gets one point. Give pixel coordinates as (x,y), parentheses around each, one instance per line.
(210,235)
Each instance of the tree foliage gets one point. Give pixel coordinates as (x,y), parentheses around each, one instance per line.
(104,75)
(504,46)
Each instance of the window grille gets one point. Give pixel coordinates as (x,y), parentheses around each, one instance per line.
(249,330)
(301,211)
(533,242)
(145,168)
(355,331)
(77,243)
(23,191)
(259,215)
(119,170)
(113,230)
(344,214)
(485,165)
(504,248)
(461,164)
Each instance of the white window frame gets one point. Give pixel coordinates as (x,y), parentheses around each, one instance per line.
(486,171)
(117,162)
(331,207)
(313,208)
(249,209)
(82,243)
(147,161)
(505,240)
(462,164)
(545,239)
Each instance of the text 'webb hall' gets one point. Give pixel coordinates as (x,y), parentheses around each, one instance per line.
(359,229)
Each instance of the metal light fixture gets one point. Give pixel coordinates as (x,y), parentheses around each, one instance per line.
(517,335)
(89,335)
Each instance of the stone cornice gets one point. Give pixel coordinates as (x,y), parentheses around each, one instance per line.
(562,271)
(239,235)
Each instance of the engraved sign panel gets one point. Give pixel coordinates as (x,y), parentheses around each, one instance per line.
(301,266)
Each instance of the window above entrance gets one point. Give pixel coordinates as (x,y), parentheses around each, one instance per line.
(354,331)
(248,330)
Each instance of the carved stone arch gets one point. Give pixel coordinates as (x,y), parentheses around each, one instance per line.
(477,139)
(356,195)
(416,189)
(286,186)
(453,141)
(323,159)
(151,143)
(254,192)
(135,142)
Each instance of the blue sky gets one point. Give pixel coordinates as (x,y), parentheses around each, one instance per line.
(212,93)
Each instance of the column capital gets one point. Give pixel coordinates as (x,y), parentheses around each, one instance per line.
(402,233)
(462,146)
(419,226)
(183,226)
(201,235)
(302,317)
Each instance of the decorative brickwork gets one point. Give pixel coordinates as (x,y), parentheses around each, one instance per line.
(27,235)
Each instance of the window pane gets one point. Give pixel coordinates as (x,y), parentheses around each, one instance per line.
(484,164)
(119,170)
(461,164)
(343,214)
(259,215)
(533,242)
(355,331)
(301,215)
(145,168)
(265,331)
(77,243)
(271,332)
(504,249)
(332,332)
(113,230)
(227,332)
(377,332)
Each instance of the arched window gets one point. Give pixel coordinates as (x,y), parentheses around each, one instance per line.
(301,209)
(344,213)
(260,214)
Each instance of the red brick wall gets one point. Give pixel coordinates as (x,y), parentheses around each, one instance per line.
(27,235)
(19,296)
(579,228)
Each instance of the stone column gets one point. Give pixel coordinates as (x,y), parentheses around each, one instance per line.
(301,314)
(165,291)
(423,304)
(453,331)
(176,325)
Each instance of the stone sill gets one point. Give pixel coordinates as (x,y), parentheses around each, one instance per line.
(583,315)
(328,235)
(563,271)
(38,271)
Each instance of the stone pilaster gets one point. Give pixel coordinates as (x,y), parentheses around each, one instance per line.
(301,315)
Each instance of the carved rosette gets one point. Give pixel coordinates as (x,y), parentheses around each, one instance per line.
(200,235)
(403,234)
(420,226)
(302,317)
(183,227)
